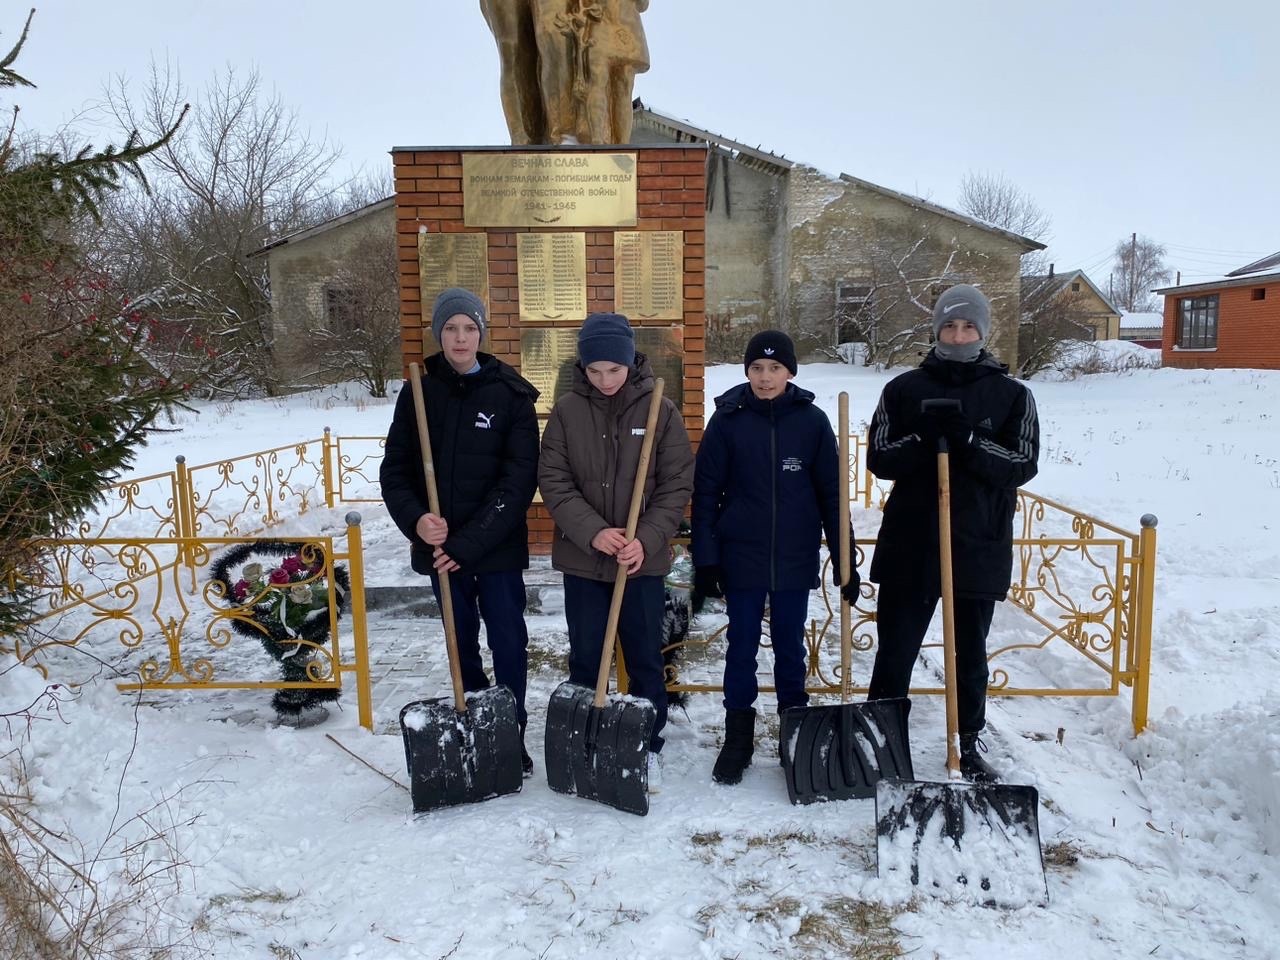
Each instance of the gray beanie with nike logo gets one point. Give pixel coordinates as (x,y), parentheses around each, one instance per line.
(963,302)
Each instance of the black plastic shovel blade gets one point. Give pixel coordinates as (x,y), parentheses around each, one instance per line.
(841,751)
(973,842)
(600,753)
(459,758)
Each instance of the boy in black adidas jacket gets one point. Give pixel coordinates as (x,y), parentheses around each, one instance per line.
(994,443)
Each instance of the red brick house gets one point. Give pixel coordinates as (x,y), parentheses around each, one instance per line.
(1232,322)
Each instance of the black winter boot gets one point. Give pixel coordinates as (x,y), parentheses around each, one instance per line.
(972,767)
(526,761)
(739,744)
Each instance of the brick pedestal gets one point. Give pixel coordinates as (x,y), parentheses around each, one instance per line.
(671,195)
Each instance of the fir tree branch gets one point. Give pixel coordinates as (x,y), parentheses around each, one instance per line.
(8,78)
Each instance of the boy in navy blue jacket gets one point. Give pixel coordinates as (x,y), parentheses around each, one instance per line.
(765,487)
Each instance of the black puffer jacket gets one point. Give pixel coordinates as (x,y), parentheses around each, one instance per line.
(985,476)
(767,484)
(484,445)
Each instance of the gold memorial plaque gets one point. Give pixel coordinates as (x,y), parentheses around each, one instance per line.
(552,276)
(648,274)
(547,356)
(549,189)
(452,260)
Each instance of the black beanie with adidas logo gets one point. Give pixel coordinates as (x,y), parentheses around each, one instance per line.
(771,345)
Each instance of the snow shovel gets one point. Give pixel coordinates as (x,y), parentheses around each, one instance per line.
(840,751)
(597,749)
(978,842)
(465,748)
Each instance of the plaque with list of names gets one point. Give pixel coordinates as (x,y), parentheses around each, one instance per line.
(452,260)
(552,276)
(548,355)
(648,268)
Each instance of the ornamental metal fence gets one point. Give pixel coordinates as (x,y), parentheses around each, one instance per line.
(1078,621)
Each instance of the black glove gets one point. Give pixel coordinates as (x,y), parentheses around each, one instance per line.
(850,590)
(709,580)
(948,422)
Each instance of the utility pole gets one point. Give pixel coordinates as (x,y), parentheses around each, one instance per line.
(1133,269)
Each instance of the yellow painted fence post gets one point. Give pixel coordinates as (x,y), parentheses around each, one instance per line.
(184,517)
(328,461)
(359,621)
(1146,610)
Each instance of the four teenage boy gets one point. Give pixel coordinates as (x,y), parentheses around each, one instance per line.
(764,490)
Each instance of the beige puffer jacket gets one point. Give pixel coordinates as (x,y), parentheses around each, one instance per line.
(590,452)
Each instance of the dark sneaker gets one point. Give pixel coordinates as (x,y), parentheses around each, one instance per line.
(526,763)
(972,767)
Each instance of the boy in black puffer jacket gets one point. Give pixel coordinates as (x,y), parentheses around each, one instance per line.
(994,445)
(765,487)
(484,445)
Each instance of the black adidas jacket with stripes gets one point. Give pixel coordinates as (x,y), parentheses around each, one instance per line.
(1001,455)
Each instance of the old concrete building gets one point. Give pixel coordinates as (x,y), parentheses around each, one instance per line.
(835,258)
(311,286)
(831,259)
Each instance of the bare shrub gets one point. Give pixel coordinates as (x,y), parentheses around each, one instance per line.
(1081,359)
(69,897)
(727,340)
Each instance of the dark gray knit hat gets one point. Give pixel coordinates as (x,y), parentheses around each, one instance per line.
(452,302)
(771,345)
(607,337)
(963,302)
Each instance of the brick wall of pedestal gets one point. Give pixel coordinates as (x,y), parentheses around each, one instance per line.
(671,195)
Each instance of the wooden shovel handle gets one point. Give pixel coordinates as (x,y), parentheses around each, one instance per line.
(433,500)
(633,518)
(948,610)
(846,561)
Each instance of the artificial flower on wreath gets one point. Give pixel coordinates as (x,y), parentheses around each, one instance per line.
(279,590)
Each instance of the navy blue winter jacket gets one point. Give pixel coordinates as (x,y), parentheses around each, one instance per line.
(765,486)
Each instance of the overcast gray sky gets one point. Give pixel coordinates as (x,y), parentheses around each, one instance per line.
(1119,116)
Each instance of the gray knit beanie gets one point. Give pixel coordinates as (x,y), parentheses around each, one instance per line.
(452,302)
(963,302)
(607,337)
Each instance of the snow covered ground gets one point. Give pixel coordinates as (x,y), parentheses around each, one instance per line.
(1162,846)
